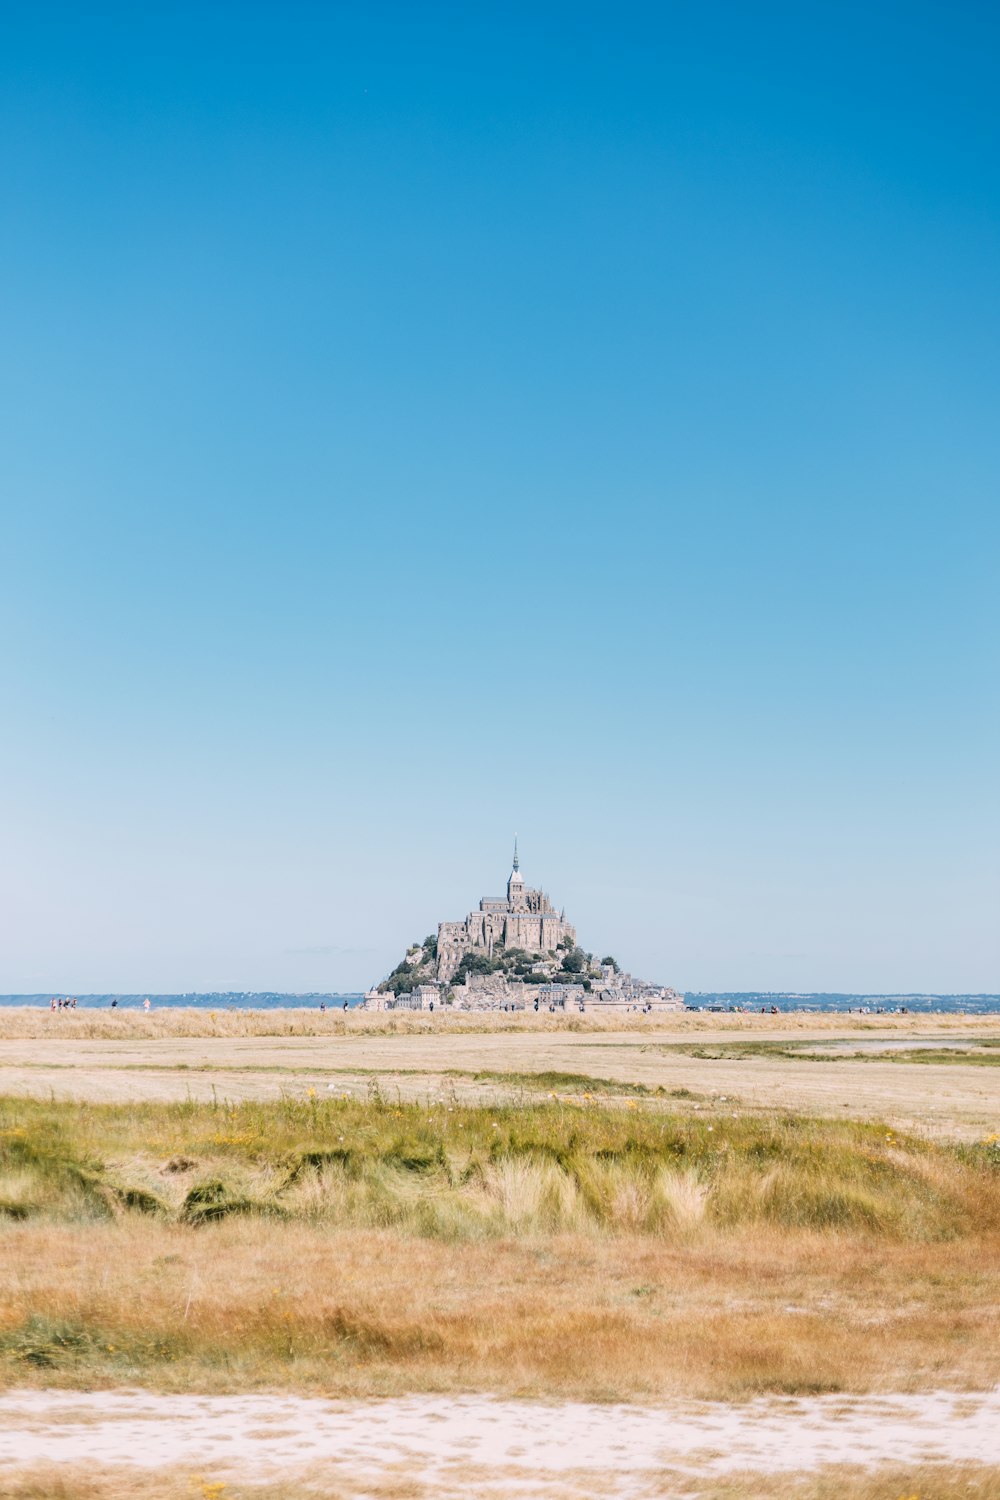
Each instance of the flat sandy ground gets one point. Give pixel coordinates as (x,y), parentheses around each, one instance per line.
(476,1446)
(847,1070)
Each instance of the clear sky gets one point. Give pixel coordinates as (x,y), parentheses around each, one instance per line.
(421,422)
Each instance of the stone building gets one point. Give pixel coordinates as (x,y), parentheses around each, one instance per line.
(421,997)
(524,918)
(536,964)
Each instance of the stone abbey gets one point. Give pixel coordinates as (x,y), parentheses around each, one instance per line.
(513,952)
(524,919)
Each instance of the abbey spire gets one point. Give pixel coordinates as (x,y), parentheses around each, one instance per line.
(515,883)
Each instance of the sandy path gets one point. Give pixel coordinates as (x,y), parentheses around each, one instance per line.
(953,1099)
(448,1443)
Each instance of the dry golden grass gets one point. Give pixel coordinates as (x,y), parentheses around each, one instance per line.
(837,1482)
(37,1023)
(847,1482)
(54,1482)
(246,1305)
(549,1250)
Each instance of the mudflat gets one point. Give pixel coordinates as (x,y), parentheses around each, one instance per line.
(935,1075)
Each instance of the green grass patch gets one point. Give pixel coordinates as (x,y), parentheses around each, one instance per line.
(577,1084)
(448,1170)
(808,1051)
(47,1343)
(967,1057)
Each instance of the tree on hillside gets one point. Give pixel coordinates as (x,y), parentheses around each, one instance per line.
(475,963)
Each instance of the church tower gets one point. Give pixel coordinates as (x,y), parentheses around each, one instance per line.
(515,885)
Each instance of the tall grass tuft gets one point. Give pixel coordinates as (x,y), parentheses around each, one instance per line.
(679,1201)
(539,1168)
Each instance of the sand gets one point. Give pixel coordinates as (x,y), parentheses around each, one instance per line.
(953,1100)
(448,1444)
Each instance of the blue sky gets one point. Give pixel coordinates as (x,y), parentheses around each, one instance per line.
(422,423)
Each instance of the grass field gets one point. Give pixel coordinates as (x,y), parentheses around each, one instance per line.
(544,1248)
(693,1207)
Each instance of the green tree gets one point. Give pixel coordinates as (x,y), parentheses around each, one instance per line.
(475,963)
